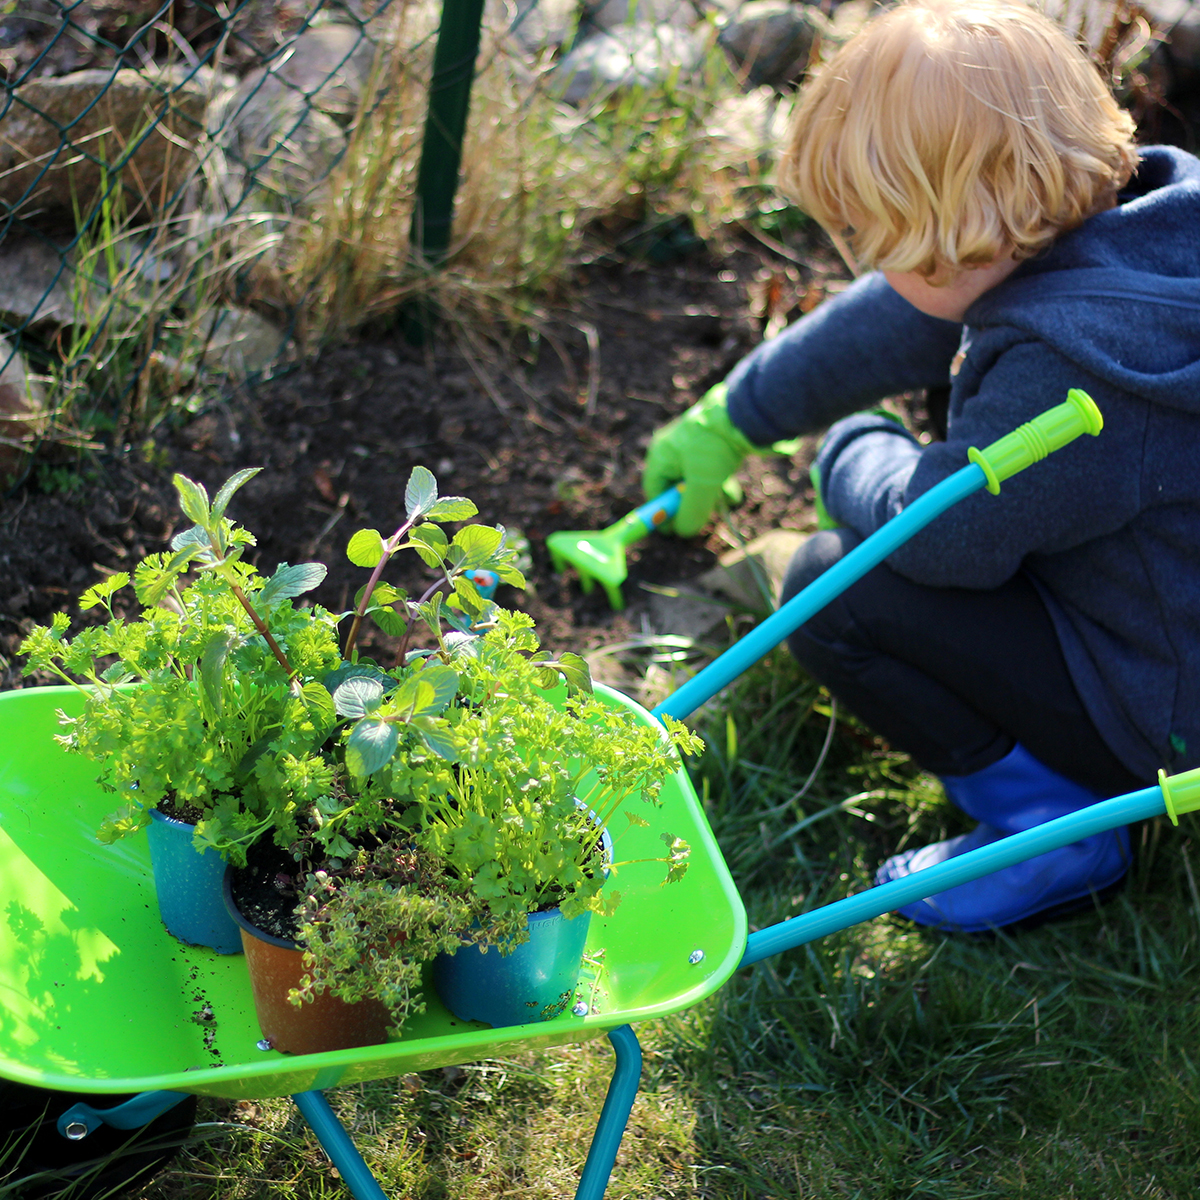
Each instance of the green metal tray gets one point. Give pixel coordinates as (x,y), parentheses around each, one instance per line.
(96,996)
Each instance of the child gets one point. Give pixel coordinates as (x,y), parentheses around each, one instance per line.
(1039,650)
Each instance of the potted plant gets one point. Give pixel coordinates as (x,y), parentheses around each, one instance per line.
(199,720)
(352,799)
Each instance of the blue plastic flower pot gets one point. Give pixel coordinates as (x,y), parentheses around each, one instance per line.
(189,886)
(534,983)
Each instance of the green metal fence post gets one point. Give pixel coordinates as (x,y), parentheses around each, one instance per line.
(445,125)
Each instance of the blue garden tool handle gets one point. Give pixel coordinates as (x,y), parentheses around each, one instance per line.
(1174,794)
(1027,444)
(657,512)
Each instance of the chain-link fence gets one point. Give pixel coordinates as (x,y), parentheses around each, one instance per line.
(162,169)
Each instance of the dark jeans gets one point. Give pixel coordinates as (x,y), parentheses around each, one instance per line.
(952,676)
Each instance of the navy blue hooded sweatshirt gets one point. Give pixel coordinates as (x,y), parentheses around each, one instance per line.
(1108,528)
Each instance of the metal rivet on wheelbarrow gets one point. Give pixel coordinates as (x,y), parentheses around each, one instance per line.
(696,956)
(76,1131)
(579,1009)
(264,1044)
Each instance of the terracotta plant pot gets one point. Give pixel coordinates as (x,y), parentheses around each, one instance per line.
(188,884)
(326,1023)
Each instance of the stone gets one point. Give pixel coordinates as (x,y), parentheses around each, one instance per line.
(768,42)
(610,15)
(629,56)
(44,287)
(748,577)
(48,170)
(543,24)
(748,127)
(241,343)
(285,124)
(687,613)
(22,412)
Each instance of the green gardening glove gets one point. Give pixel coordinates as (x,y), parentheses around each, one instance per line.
(701,449)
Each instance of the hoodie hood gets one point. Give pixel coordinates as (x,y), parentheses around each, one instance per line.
(1144,253)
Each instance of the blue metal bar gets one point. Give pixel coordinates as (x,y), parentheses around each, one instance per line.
(705,684)
(336,1141)
(1108,814)
(614,1116)
(82,1119)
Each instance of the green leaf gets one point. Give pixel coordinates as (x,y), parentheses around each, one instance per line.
(358,670)
(291,581)
(371,745)
(576,672)
(452,508)
(212,669)
(478,543)
(545,678)
(421,493)
(98,593)
(357,697)
(152,580)
(635,819)
(194,535)
(444,684)
(430,542)
(392,623)
(231,485)
(437,736)
(316,699)
(193,499)
(366,548)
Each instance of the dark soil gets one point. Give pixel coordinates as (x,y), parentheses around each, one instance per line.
(541,436)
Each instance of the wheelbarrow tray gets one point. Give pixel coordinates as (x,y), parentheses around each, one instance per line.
(98,997)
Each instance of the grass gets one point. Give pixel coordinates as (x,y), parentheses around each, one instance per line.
(880,1062)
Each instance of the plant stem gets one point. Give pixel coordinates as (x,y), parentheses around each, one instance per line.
(260,625)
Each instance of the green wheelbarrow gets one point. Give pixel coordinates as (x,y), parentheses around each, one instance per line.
(99,999)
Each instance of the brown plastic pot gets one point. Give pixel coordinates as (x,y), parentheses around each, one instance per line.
(325,1023)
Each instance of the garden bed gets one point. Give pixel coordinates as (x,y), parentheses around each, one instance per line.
(542,437)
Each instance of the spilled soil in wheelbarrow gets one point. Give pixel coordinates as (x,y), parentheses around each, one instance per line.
(543,434)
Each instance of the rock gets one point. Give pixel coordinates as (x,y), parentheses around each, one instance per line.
(610,15)
(748,127)
(43,286)
(285,124)
(22,415)
(34,288)
(769,42)
(748,577)
(686,613)
(241,343)
(107,115)
(630,56)
(543,24)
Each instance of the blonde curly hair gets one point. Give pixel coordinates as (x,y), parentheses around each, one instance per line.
(951,133)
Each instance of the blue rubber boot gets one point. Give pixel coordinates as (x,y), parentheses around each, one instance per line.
(1012,795)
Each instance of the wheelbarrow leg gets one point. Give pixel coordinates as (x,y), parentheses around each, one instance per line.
(337,1144)
(614,1116)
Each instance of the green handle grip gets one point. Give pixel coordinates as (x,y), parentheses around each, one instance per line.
(1033,441)
(1181,793)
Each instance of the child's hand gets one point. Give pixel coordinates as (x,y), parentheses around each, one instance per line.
(702,448)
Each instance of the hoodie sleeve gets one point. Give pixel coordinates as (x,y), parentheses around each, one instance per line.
(871,469)
(848,354)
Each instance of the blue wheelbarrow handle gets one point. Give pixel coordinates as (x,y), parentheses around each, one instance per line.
(1025,445)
